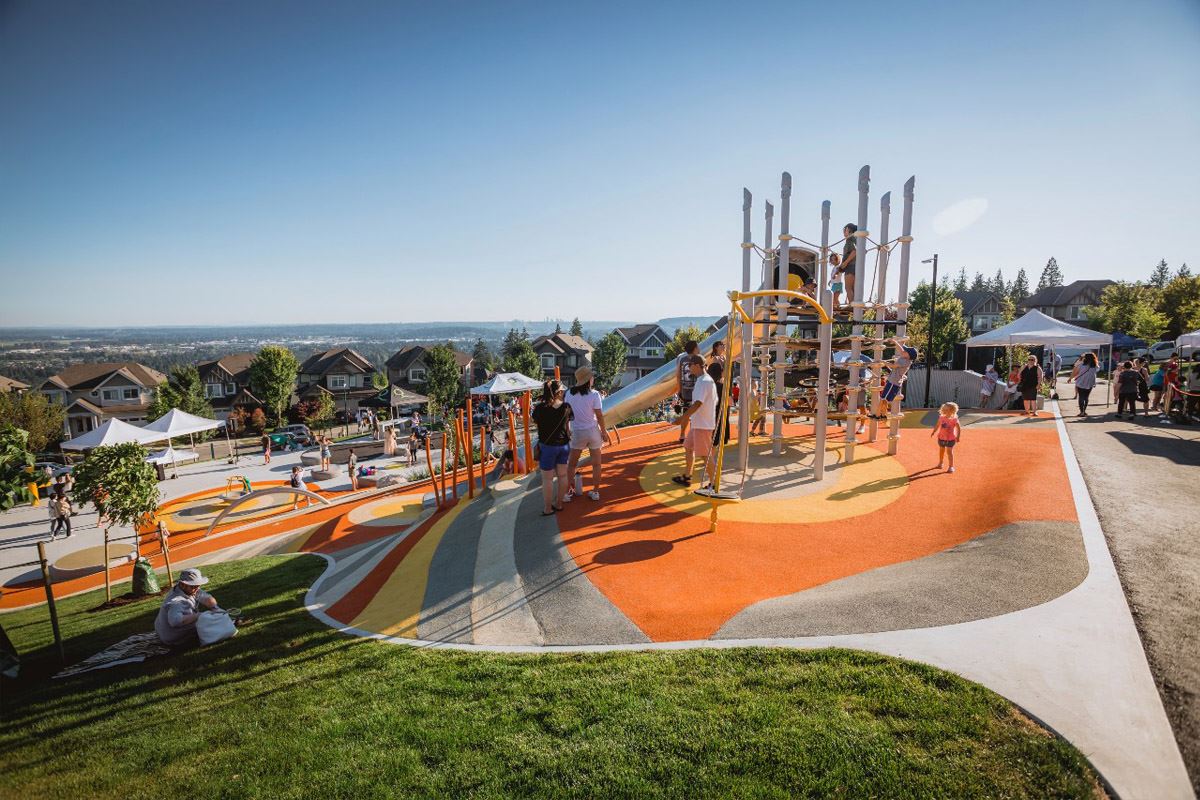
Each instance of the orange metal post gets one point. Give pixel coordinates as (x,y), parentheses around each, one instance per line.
(444,434)
(462,440)
(457,439)
(512,440)
(483,454)
(470,423)
(432,476)
(528,440)
(557,374)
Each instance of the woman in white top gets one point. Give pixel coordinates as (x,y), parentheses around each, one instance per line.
(1084,378)
(587,428)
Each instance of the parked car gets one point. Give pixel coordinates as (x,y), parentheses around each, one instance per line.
(283,440)
(1161,351)
(302,433)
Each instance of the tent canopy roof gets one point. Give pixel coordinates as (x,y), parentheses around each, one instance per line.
(1189,339)
(180,423)
(507,383)
(1036,328)
(114,431)
(172,456)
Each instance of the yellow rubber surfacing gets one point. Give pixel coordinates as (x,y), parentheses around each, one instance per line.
(784,491)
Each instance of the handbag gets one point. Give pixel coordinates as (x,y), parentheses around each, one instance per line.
(215,626)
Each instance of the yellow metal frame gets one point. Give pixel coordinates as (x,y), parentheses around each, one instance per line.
(735,297)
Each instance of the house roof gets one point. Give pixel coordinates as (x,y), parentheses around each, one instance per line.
(562,343)
(236,365)
(11,385)
(91,408)
(1063,295)
(973,300)
(404,358)
(78,377)
(638,334)
(321,363)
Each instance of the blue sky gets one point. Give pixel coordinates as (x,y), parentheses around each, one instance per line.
(241,162)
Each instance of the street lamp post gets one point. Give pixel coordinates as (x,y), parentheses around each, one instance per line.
(932,319)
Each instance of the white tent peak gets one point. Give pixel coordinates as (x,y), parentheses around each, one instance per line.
(1036,328)
(508,383)
(180,423)
(114,431)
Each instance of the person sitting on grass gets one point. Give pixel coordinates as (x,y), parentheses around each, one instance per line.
(702,413)
(176,620)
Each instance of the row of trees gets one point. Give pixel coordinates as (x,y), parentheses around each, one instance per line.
(1164,307)
(1016,289)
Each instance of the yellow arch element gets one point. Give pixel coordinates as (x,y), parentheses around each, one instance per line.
(260,493)
(735,297)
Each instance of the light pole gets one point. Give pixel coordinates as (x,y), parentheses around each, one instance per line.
(932,319)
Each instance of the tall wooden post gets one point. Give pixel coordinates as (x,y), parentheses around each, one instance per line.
(62,656)
(107,582)
(162,545)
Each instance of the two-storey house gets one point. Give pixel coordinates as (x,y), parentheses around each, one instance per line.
(646,345)
(96,393)
(1067,302)
(340,372)
(226,384)
(982,311)
(565,351)
(407,368)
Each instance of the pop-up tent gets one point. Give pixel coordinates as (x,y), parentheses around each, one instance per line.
(1035,328)
(114,431)
(172,456)
(508,383)
(180,423)
(1189,340)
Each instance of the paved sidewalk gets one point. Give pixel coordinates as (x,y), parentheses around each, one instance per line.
(1144,480)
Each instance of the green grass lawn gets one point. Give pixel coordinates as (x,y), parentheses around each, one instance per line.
(289,708)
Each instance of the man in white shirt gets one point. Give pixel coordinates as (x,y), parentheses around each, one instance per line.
(176,620)
(702,414)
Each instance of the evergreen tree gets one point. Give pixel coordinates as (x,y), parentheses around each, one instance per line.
(524,359)
(960,283)
(482,355)
(1051,275)
(442,379)
(576,327)
(998,283)
(1160,275)
(512,341)
(1020,287)
(608,360)
(183,390)
(979,284)
(1183,272)
(557,328)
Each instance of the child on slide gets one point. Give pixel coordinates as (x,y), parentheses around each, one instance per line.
(949,432)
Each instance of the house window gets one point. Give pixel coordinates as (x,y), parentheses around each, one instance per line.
(212,390)
(231,388)
(547,361)
(110,395)
(338,382)
(653,352)
(131,393)
(1075,312)
(416,375)
(572,361)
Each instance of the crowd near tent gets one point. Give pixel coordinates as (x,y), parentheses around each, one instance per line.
(508,383)
(1035,328)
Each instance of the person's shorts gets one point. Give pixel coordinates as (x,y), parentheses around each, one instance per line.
(587,439)
(948,443)
(1029,394)
(699,441)
(890,390)
(553,455)
(848,270)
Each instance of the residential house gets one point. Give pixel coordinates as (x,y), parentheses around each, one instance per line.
(340,372)
(12,385)
(647,348)
(981,310)
(565,351)
(226,384)
(96,393)
(1066,302)
(407,368)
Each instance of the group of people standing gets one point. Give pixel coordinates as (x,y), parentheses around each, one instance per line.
(58,503)
(568,422)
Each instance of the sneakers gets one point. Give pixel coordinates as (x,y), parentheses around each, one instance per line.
(950,470)
(682,480)
(593,495)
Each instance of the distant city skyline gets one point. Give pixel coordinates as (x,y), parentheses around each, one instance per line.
(280,163)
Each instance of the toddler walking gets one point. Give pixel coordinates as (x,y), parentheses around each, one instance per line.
(948,433)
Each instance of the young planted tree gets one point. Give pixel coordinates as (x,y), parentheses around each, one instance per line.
(183,390)
(576,327)
(273,377)
(16,468)
(608,360)
(1051,275)
(442,379)
(119,481)
(33,413)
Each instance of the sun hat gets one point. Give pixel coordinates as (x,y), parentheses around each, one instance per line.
(583,374)
(192,577)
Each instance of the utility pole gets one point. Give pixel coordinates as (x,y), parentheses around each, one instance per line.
(932,320)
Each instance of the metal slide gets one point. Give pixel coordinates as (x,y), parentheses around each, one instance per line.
(660,384)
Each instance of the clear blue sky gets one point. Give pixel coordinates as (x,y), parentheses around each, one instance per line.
(228,162)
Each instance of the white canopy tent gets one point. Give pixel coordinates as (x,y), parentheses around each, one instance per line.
(1188,340)
(172,456)
(1035,328)
(508,383)
(180,423)
(114,431)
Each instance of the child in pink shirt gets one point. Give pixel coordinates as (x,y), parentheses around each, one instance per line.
(948,433)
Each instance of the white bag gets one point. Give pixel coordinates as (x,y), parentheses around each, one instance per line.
(215,626)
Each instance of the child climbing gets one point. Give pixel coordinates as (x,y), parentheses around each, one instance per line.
(949,432)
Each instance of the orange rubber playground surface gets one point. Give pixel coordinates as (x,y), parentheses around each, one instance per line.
(887,542)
